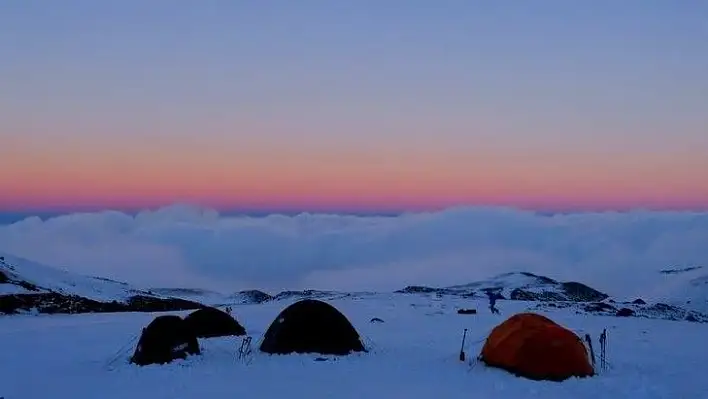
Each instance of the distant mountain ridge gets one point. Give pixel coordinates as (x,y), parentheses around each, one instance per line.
(30,286)
(519,286)
(257,296)
(21,276)
(680,271)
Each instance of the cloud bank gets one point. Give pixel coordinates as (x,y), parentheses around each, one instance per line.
(189,246)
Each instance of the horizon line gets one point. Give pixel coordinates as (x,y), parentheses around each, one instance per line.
(15,215)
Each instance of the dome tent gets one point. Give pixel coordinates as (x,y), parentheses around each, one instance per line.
(311,326)
(165,339)
(533,346)
(210,322)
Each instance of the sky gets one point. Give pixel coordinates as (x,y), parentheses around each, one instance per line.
(321,105)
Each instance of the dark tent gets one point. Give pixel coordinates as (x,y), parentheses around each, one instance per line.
(311,326)
(212,322)
(165,339)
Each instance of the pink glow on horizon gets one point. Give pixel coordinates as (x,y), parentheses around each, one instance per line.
(116,173)
(353,202)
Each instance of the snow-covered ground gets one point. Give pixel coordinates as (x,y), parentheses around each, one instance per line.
(414,354)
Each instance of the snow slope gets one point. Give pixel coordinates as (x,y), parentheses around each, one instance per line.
(50,279)
(686,287)
(413,354)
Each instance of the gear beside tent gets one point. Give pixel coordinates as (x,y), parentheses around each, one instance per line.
(533,346)
(165,339)
(311,326)
(211,322)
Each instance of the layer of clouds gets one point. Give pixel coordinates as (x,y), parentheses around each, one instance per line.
(190,246)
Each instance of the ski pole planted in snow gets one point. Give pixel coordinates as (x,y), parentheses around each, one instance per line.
(462,348)
(603,349)
(592,352)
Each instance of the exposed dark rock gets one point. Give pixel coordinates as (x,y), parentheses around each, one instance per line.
(550,296)
(9,278)
(530,287)
(522,286)
(600,307)
(142,303)
(523,295)
(467,311)
(542,279)
(579,292)
(28,286)
(254,296)
(660,312)
(678,271)
(416,289)
(376,320)
(625,312)
(669,312)
(110,280)
(180,291)
(662,307)
(287,294)
(53,302)
(496,291)
(304,294)
(639,301)
(556,305)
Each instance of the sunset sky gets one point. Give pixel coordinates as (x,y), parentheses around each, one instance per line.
(367,105)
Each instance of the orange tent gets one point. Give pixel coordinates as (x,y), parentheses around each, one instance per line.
(533,346)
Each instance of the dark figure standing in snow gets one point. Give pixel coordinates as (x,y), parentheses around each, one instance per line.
(493,301)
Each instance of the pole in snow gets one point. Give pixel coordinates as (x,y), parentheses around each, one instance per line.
(592,352)
(462,348)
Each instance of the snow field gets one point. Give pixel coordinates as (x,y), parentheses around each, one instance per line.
(414,354)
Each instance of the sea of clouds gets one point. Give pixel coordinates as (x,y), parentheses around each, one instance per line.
(187,246)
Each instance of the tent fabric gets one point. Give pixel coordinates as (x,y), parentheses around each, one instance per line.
(211,322)
(311,326)
(165,339)
(533,346)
